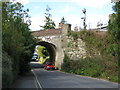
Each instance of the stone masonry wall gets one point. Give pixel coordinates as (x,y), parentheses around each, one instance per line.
(76,49)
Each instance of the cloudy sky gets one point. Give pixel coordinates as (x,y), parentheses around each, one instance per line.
(71,10)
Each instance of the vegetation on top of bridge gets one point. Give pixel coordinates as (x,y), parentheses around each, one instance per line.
(18,43)
(107,64)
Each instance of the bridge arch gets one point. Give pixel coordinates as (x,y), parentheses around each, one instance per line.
(51,48)
(55,42)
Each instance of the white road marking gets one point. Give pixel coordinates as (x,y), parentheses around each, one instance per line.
(37,80)
(35,83)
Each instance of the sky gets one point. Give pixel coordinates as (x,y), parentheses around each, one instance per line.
(71,10)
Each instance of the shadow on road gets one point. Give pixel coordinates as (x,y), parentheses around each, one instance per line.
(36,65)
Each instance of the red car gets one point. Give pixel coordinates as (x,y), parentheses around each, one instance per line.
(49,66)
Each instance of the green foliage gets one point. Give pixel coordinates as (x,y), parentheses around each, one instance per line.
(114,31)
(100,41)
(106,64)
(114,23)
(40,49)
(7,73)
(63,20)
(113,49)
(93,67)
(49,23)
(73,34)
(42,52)
(66,58)
(103,65)
(45,52)
(18,42)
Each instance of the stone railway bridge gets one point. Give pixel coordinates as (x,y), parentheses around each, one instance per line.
(55,42)
(58,43)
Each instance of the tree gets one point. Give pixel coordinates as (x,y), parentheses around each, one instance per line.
(114,23)
(43,54)
(114,31)
(49,23)
(63,20)
(17,41)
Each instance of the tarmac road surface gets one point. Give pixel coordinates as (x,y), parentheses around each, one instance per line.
(57,79)
(41,79)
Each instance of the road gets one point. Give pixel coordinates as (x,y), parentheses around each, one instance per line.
(58,79)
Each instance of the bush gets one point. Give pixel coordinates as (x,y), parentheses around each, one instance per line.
(73,34)
(90,67)
(7,73)
(18,43)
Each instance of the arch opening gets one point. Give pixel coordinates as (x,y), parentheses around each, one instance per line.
(51,50)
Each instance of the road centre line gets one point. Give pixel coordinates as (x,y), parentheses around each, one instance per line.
(35,83)
(37,80)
